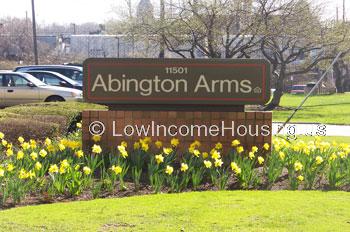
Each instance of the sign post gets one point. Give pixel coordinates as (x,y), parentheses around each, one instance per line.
(180,94)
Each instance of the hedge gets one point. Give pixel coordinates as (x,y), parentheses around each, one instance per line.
(41,120)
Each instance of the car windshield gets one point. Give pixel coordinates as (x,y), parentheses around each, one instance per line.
(78,77)
(34,80)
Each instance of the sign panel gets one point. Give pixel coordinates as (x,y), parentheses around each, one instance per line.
(176,81)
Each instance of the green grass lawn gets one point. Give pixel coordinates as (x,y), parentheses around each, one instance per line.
(196,211)
(331,109)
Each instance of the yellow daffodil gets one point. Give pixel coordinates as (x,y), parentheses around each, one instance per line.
(237,170)
(234,166)
(20,139)
(144,146)
(239,149)
(266,146)
(33,155)
(38,166)
(169,170)
(43,153)
(276,147)
(218,163)
(159,158)
(333,157)
(79,153)
(124,144)
(2,172)
(2,135)
(96,138)
(137,145)
(174,142)
(20,155)
(32,143)
(218,146)
(167,151)
(4,142)
(196,152)
(147,140)
(205,155)
(116,169)
(215,154)
(96,149)
(282,155)
(184,167)
(122,151)
(64,163)
(9,152)
(53,169)
(62,170)
(207,163)
(86,170)
(319,160)
(31,174)
(79,125)
(9,146)
(158,144)
(255,149)
(342,154)
(298,166)
(48,142)
(300,178)
(10,167)
(51,148)
(260,160)
(235,143)
(251,155)
(61,147)
(195,144)
(23,174)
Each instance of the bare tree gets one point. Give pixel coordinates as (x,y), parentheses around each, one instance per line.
(295,42)
(15,39)
(217,29)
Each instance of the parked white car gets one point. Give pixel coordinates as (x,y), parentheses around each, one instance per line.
(20,88)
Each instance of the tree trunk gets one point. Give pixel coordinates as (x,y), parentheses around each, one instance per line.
(338,77)
(276,98)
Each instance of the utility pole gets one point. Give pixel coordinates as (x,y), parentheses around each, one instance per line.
(337,14)
(162,19)
(74,28)
(35,45)
(343,10)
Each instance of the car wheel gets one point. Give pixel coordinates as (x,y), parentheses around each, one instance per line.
(54,99)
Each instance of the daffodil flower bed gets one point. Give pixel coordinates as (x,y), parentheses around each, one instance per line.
(56,168)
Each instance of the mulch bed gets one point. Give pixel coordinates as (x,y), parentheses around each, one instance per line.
(44,198)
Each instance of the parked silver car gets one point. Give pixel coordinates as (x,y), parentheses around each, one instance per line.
(55,79)
(19,88)
(73,72)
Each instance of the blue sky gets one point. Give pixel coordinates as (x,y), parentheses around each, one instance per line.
(79,11)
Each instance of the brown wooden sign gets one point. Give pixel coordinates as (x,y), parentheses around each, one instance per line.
(176,81)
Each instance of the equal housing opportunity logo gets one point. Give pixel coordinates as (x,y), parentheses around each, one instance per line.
(155,129)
